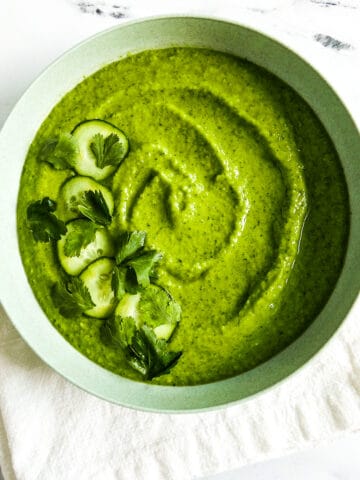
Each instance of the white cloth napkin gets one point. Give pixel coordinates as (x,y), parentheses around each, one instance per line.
(50,429)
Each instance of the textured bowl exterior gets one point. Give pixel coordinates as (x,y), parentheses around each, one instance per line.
(18,132)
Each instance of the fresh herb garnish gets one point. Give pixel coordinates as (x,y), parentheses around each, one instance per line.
(107,150)
(157,307)
(143,265)
(71,299)
(118,281)
(144,351)
(125,281)
(93,206)
(129,244)
(141,327)
(60,152)
(45,226)
(135,267)
(80,236)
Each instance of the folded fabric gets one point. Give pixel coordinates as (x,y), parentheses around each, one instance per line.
(51,429)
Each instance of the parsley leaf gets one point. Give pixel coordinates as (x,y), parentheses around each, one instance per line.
(45,226)
(93,206)
(71,299)
(80,236)
(162,360)
(60,152)
(139,264)
(157,307)
(141,327)
(107,150)
(124,281)
(131,284)
(143,350)
(118,282)
(143,266)
(129,244)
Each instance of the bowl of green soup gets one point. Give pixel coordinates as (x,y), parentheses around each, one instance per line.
(181,206)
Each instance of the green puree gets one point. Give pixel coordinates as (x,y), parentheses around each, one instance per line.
(233,178)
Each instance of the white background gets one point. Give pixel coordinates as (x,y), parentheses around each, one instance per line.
(326,32)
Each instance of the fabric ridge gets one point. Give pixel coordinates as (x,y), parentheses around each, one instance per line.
(47,423)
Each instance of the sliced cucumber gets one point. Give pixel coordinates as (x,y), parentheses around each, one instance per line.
(165,330)
(86,163)
(101,246)
(71,193)
(153,307)
(97,278)
(127,307)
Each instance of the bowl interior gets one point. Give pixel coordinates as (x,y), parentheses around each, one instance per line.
(33,108)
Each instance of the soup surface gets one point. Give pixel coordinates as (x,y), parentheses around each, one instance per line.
(235,181)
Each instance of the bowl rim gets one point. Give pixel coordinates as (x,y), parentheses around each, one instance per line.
(197,391)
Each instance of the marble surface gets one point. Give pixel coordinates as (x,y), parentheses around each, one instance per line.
(33,33)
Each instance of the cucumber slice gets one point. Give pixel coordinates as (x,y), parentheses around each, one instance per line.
(97,278)
(71,192)
(164,331)
(127,307)
(153,307)
(86,163)
(102,245)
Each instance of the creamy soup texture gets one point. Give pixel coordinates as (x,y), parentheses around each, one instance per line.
(235,181)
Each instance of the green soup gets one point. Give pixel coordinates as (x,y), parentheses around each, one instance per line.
(233,178)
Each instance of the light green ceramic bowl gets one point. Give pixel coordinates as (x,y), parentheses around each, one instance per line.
(27,117)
